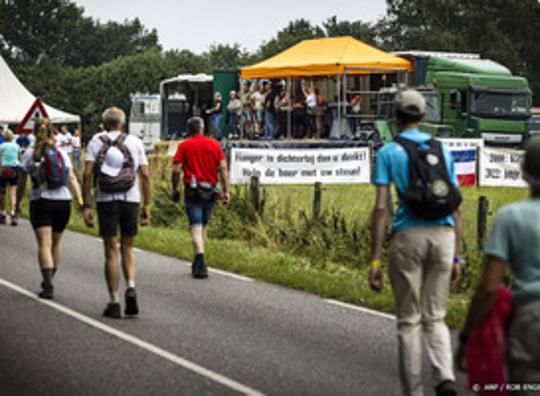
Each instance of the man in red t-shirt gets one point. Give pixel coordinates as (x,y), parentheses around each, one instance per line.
(201,159)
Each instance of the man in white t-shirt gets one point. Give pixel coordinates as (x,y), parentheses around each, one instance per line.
(118,161)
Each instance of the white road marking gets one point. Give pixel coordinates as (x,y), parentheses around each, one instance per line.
(224,273)
(179,361)
(99,239)
(361,309)
(137,250)
(231,275)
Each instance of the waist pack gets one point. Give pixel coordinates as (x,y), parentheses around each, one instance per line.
(50,170)
(204,192)
(126,177)
(430,194)
(8,173)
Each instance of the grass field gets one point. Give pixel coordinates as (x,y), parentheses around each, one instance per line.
(284,245)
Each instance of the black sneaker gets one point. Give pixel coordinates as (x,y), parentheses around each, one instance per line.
(446,388)
(132,308)
(47,293)
(112,310)
(199,269)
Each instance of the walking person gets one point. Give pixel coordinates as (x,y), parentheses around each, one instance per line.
(117,161)
(424,249)
(64,140)
(50,199)
(513,244)
(200,159)
(76,144)
(9,173)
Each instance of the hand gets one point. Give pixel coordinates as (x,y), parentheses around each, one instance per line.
(455,277)
(88,217)
(226,198)
(145,217)
(461,359)
(175,196)
(376,279)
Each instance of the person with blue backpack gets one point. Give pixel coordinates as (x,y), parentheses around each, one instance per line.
(51,174)
(424,247)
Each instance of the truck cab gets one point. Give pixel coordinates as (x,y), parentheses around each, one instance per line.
(471,97)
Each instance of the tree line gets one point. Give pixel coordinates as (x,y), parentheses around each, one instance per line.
(82,65)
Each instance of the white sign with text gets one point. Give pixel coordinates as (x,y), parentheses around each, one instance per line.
(301,166)
(501,168)
(455,143)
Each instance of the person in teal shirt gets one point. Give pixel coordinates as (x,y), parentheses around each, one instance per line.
(9,172)
(514,244)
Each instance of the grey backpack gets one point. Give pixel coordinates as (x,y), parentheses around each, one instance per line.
(128,174)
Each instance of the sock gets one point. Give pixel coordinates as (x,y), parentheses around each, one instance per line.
(115,297)
(131,283)
(47,277)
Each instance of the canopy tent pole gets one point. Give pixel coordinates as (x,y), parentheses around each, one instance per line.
(289,111)
(339,104)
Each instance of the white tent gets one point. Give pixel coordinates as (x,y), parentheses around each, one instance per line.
(15,100)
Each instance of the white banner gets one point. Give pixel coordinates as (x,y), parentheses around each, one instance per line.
(453,143)
(501,168)
(301,166)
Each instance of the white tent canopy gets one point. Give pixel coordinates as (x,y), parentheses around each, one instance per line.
(15,100)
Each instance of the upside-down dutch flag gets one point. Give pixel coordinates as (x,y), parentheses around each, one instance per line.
(465,165)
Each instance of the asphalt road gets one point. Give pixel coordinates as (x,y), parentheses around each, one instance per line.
(225,335)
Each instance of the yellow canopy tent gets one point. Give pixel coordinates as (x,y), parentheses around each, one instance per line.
(325,57)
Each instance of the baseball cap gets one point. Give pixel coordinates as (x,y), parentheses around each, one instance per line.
(410,102)
(114,160)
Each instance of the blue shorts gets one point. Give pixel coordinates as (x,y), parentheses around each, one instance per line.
(198,212)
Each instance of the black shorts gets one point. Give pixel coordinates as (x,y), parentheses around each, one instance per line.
(50,213)
(11,180)
(112,215)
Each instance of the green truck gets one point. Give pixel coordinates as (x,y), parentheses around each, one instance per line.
(469,97)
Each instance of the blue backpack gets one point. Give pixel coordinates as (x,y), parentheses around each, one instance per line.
(54,169)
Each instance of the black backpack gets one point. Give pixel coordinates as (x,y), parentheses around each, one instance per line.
(430,195)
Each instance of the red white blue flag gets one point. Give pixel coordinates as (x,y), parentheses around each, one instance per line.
(465,165)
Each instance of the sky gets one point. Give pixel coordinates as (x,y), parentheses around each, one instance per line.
(195,25)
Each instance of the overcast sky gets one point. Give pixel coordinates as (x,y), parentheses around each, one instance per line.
(196,24)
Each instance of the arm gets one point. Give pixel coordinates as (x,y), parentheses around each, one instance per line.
(378,231)
(175,181)
(456,268)
(75,187)
(146,181)
(224,173)
(88,175)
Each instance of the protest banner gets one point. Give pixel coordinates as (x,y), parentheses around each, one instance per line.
(501,168)
(295,166)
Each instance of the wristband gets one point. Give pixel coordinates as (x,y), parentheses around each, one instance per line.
(147,207)
(458,261)
(376,264)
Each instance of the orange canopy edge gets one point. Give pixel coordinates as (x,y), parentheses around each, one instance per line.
(327,57)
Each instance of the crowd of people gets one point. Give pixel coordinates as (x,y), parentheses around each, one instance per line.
(264,109)
(424,252)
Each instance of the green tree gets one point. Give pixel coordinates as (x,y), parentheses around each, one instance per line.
(293,33)
(226,56)
(32,30)
(357,29)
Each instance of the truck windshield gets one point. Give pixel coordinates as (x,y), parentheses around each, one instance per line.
(433,107)
(500,105)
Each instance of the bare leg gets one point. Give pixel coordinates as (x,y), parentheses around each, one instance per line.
(56,249)
(44,240)
(198,239)
(111,264)
(13,197)
(128,259)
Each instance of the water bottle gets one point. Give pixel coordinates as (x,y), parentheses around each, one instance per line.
(193,184)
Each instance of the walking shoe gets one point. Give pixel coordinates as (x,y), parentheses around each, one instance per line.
(2,218)
(112,310)
(47,293)
(14,221)
(132,308)
(446,388)
(199,269)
